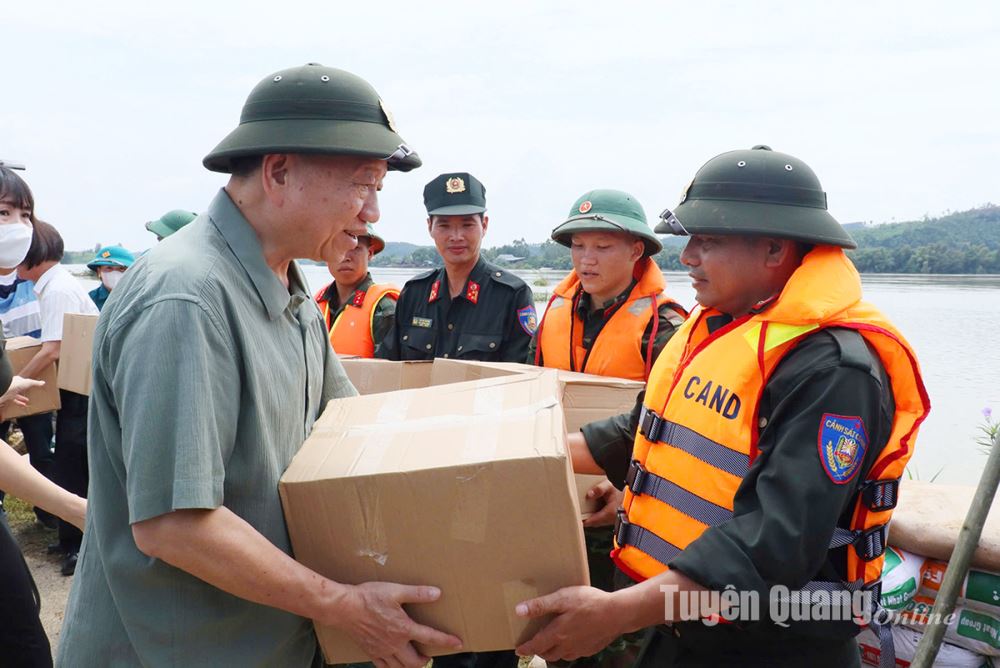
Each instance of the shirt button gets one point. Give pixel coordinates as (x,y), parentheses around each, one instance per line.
(498,274)
(405,338)
(446,355)
(460,348)
(492,345)
(451,326)
(428,346)
(762,422)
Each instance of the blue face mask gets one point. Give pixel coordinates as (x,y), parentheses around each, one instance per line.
(15,240)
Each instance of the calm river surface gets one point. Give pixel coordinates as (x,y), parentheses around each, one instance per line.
(952,322)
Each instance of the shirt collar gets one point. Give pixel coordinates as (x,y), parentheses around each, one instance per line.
(474,283)
(583,304)
(243,241)
(46,278)
(333,297)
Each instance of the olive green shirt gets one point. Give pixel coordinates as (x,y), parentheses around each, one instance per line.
(208,376)
(382,318)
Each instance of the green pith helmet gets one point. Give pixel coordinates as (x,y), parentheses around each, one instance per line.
(607,211)
(314,109)
(376,243)
(112,256)
(170,222)
(759,192)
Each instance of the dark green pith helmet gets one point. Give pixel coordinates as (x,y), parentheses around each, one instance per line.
(607,211)
(375,242)
(758,192)
(170,222)
(314,109)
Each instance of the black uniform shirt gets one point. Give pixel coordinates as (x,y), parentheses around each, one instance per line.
(492,319)
(786,508)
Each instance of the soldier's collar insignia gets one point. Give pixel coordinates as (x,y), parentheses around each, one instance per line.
(472,292)
(359,298)
(454,185)
(435,288)
(842,446)
(585,206)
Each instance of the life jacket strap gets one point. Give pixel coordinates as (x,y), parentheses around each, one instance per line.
(643,540)
(879,495)
(657,429)
(642,482)
(868,543)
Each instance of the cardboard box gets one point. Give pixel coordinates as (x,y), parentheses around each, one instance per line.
(77,352)
(585,398)
(20,350)
(465,486)
(372,376)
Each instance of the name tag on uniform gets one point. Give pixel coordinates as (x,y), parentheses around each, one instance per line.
(422,322)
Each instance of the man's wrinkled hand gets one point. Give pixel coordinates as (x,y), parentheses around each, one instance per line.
(610,499)
(376,621)
(584,623)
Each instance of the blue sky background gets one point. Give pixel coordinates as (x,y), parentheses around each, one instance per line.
(112,105)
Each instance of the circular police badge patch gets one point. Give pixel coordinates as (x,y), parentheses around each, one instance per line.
(454,185)
(586,206)
(842,446)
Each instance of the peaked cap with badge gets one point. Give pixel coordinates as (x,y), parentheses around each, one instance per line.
(314,109)
(756,192)
(607,211)
(112,256)
(455,194)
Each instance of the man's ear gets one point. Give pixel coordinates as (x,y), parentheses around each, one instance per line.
(486,223)
(430,223)
(638,248)
(274,176)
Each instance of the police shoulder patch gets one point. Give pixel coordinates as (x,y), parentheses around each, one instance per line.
(843,443)
(528,319)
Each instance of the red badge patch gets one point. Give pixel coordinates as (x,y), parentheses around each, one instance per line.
(435,286)
(359,298)
(586,206)
(472,292)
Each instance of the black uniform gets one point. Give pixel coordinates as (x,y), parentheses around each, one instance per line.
(785,493)
(493,319)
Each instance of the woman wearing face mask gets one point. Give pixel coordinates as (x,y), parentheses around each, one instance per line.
(109,264)
(22,638)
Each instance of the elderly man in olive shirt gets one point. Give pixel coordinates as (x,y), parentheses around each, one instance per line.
(211,365)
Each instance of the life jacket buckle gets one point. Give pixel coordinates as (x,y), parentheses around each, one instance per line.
(622,526)
(635,479)
(879,495)
(870,544)
(650,424)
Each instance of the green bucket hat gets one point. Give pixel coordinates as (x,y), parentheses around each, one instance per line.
(111,256)
(170,222)
(376,243)
(759,192)
(607,211)
(314,109)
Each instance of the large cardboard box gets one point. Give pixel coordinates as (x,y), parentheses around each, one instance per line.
(20,350)
(76,354)
(465,486)
(585,397)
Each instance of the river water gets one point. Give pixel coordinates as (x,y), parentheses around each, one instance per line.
(952,321)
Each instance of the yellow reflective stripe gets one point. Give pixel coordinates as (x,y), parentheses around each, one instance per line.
(777,334)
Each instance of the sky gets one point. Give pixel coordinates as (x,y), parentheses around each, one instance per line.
(895,105)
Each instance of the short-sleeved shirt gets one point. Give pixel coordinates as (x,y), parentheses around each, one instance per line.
(492,319)
(208,376)
(58,294)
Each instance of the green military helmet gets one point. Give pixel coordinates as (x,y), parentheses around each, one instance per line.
(604,211)
(314,109)
(758,192)
(170,222)
(375,242)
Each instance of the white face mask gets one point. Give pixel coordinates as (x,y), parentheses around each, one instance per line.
(111,278)
(15,240)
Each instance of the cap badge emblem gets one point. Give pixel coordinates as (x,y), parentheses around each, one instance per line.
(454,185)
(388,116)
(586,206)
(106,254)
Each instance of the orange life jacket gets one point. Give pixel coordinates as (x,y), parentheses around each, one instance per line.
(699,425)
(351,331)
(617,351)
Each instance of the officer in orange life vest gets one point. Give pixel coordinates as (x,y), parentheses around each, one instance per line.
(769,444)
(358,312)
(600,318)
